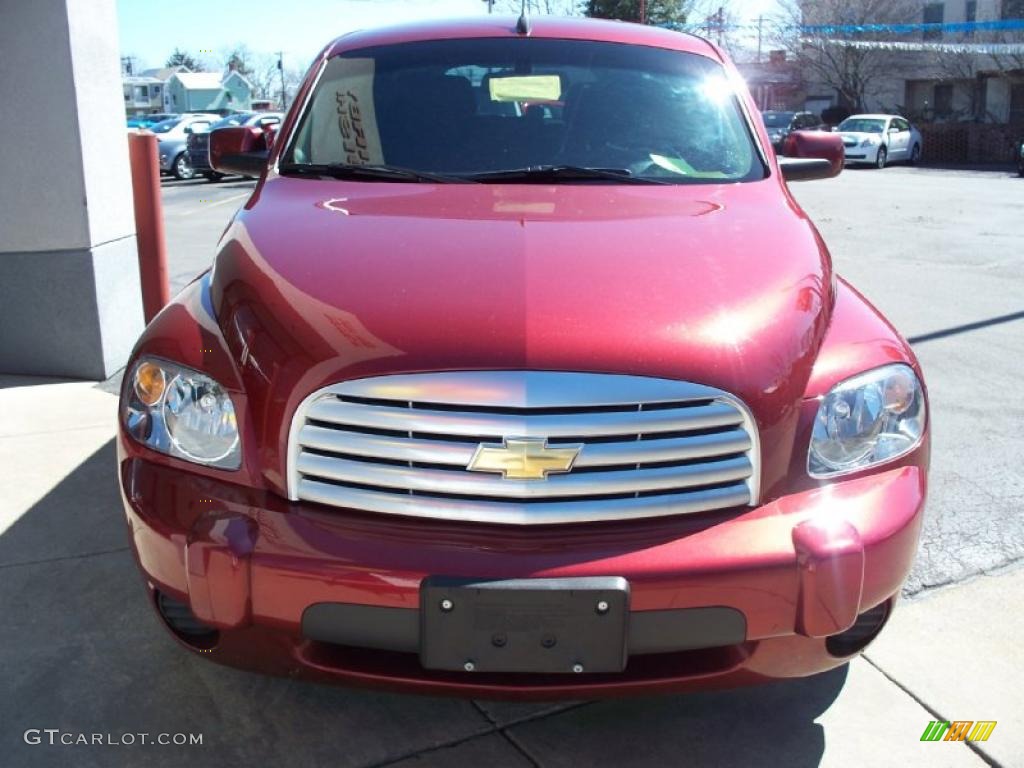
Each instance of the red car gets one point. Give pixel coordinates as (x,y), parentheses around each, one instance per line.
(560,402)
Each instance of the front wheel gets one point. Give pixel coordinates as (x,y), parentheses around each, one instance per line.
(915,154)
(182,168)
(881,158)
(214,176)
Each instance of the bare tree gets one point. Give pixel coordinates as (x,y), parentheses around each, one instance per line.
(717,20)
(265,77)
(807,30)
(540,7)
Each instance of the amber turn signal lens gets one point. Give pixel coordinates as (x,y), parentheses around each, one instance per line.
(150,383)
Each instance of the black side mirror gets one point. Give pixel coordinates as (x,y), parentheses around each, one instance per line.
(805,168)
(249,164)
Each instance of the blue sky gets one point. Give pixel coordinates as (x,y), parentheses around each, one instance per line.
(150,29)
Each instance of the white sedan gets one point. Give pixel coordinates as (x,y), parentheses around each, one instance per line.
(880,139)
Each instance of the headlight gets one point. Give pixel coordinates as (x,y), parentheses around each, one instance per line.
(870,141)
(869,419)
(182,413)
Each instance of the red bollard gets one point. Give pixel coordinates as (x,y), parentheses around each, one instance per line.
(149,221)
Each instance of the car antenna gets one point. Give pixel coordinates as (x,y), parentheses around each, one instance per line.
(523,25)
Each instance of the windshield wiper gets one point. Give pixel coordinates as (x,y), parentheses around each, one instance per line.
(564,172)
(366,173)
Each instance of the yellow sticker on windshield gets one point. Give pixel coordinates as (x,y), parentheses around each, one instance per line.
(526,88)
(683,168)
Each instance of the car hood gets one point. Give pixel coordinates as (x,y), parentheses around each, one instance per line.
(320,281)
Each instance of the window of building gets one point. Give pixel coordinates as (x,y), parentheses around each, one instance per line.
(1013,9)
(943,99)
(934,13)
(1017,103)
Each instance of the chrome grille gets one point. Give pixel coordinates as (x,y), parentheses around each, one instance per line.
(401,444)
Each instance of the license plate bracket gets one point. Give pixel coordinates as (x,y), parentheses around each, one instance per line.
(544,626)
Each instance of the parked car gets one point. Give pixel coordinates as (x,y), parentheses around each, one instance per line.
(199,141)
(146,121)
(880,139)
(171,136)
(518,405)
(781,124)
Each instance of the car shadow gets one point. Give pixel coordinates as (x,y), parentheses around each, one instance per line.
(8,380)
(771,724)
(83,652)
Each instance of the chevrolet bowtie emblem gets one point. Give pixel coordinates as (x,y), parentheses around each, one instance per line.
(524,458)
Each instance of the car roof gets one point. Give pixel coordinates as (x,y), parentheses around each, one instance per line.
(873,116)
(545,27)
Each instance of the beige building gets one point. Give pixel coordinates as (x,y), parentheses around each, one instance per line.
(936,76)
(961,84)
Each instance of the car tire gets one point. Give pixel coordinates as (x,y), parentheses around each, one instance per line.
(915,154)
(182,168)
(881,157)
(213,176)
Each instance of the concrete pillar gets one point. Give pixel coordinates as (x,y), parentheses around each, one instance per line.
(70,303)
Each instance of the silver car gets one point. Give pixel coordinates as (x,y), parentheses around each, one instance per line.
(172,136)
(880,139)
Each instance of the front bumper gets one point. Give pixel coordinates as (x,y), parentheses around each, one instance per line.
(251,564)
(859,154)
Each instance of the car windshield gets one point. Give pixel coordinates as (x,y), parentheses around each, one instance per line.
(476,106)
(862,125)
(165,126)
(778,119)
(231,121)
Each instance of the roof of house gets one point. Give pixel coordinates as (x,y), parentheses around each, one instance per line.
(236,73)
(199,81)
(164,73)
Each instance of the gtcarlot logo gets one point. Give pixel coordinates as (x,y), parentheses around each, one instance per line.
(55,736)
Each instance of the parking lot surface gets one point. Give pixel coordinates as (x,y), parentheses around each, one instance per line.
(938,251)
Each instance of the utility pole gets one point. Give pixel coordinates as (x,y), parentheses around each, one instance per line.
(760,24)
(643,11)
(280,69)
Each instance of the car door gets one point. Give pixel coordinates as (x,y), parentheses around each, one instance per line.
(899,139)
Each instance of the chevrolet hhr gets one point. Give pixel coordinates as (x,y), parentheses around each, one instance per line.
(522,374)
